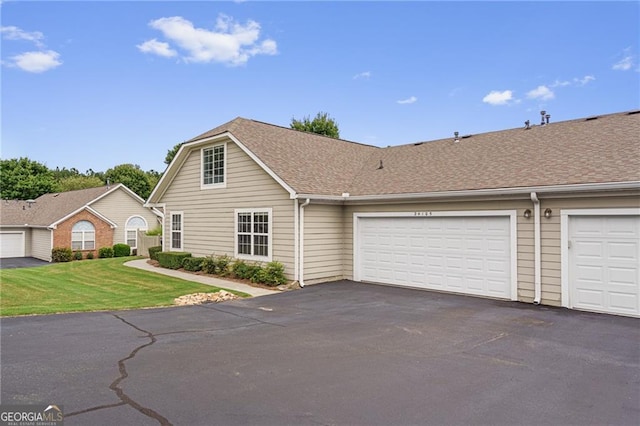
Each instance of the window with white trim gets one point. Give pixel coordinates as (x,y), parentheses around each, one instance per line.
(132,226)
(213,166)
(253,234)
(83,236)
(176,234)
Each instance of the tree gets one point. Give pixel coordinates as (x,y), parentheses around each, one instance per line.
(24,179)
(132,176)
(73,183)
(172,153)
(322,124)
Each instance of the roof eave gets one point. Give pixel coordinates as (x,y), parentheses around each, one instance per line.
(480,193)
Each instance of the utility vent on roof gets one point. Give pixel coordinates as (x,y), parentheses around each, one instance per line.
(466,136)
(591,118)
(633,112)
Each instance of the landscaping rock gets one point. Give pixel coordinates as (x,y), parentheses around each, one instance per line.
(199,298)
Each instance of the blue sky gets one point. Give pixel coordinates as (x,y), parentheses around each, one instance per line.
(96,84)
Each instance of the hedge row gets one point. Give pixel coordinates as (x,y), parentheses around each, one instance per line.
(64,254)
(271,273)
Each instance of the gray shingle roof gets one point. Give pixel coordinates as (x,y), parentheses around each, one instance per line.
(48,208)
(601,150)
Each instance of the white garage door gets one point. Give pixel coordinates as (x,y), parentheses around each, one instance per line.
(604,264)
(468,255)
(11,244)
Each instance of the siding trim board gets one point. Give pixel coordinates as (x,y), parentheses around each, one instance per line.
(565,220)
(513,237)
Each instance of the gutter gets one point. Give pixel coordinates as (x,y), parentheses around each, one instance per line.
(537,284)
(522,191)
(301,244)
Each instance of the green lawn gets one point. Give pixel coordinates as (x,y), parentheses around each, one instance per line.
(89,285)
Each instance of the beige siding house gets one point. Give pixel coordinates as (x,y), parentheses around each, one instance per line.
(546,214)
(83,220)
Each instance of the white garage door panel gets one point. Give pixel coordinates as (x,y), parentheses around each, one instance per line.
(460,254)
(604,263)
(11,244)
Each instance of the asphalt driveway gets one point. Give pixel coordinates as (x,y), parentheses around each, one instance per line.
(21,262)
(332,354)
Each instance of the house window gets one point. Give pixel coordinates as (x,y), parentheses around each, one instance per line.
(176,231)
(213,170)
(132,226)
(253,234)
(83,236)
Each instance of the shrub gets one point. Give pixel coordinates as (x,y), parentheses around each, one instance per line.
(121,250)
(155,231)
(77,255)
(172,259)
(192,264)
(90,255)
(222,265)
(105,252)
(61,254)
(272,274)
(209,265)
(245,271)
(153,252)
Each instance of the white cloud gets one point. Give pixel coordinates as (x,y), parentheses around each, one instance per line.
(559,83)
(15,33)
(157,48)
(36,62)
(366,75)
(584,80)
(410,100)
(542,93)
(229,42)
(496,97)
(623,64)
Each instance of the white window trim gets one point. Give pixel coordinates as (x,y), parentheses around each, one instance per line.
(513,238)
(170,242)
(224,177)
(237,255)
(126,229)
(83,240)
(564,242)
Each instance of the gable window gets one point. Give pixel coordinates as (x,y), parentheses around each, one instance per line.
(213,166)
(132,226)
(83,236)
(253,234)
(176,233)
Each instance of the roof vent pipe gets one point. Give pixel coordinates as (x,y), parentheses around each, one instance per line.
(547,117)
(542,113)
(527,125)
(380,166)
(455,137)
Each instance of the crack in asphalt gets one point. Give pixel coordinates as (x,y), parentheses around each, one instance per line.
(124,398)
(123,375)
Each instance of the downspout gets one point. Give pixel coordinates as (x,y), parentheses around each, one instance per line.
(537,268)
(301,244)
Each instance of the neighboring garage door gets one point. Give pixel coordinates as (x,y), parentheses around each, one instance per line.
(604,264)
(11,244)
(470,255)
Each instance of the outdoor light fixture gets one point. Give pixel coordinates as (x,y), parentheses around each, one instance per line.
(547,213)
(527,214)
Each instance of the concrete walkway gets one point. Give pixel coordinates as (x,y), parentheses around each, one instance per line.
(202,279)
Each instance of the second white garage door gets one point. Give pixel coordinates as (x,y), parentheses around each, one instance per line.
(604,263)
(470,255)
